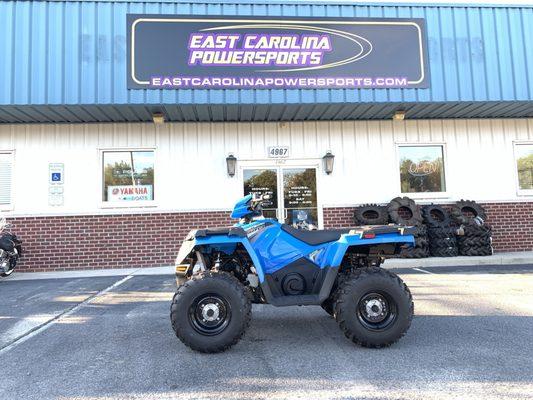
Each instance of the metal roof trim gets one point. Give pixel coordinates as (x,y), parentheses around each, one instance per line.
(98,113)
(303,2)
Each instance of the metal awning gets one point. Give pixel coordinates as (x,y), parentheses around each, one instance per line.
(261,112)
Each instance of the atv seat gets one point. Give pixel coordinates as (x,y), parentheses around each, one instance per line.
(314,238)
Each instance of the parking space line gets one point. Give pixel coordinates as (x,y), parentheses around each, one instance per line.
(423,270)
(45,325)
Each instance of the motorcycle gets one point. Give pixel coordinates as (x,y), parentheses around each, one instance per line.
(10,249)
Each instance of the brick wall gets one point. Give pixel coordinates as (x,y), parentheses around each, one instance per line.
(107,241)
(146,240)
(512,224)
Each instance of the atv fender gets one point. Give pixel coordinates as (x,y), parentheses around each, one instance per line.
(224,240)
(335,253)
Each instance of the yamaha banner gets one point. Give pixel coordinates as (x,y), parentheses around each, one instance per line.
(206,52)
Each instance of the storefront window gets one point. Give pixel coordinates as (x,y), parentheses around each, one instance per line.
(422,169)
(524,166)
(128,176)
(6,178)
(263,181)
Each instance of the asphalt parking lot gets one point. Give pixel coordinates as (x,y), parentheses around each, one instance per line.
(472,337)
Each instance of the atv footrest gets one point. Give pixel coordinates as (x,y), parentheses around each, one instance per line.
(303,300)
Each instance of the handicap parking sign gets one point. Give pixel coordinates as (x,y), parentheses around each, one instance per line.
(55,173)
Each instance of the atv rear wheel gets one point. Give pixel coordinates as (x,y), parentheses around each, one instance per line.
(210,312)
(373,307)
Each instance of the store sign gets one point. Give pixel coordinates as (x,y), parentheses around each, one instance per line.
(209,52)
(129,193)
(424,168)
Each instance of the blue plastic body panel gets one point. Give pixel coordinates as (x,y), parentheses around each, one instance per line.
(241,209)
(271,248)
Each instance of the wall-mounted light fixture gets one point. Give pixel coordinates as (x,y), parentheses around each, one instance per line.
(231,164)
(399,115)
(328,160)
(158,118)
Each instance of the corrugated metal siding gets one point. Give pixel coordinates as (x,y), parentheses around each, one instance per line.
(479,159)
(74,53)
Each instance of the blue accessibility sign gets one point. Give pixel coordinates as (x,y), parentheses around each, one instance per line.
(56,176)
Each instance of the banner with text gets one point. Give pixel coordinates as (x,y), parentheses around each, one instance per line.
(206,52)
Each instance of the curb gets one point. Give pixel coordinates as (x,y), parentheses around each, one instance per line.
(502,259)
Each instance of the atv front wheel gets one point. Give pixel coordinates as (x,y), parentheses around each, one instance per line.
(373,307)
(210,312)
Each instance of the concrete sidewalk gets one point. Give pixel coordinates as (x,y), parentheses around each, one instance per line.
(503,259)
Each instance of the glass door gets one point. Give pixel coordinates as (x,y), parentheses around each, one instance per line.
(300,209)
(293,192)
(263,181)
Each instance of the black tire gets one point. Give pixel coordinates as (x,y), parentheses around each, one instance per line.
(415,252)
(371,214)
(389,295)
(477,230)
(464,212)
(435,216)
(12,265)
(397,204)
(420,231)
(450,251)
(435,233)
(226,298)
(476,251)
(474,241)
(442,242)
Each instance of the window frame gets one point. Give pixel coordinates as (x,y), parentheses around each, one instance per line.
(423,195)
(10,206)
(126,205)
(520,192)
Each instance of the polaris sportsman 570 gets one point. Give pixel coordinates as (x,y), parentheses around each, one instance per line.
(221,271)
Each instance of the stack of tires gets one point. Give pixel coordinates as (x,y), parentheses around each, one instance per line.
(473,235)
(438,233)
(404,211)
(441,233)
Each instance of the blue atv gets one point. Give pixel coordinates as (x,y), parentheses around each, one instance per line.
(220,272)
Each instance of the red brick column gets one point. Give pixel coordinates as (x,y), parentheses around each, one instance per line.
(512,223)
(107,241)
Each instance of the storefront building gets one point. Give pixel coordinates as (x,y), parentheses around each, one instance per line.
(123,125)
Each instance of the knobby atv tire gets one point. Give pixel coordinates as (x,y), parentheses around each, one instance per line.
(358,284)
(415,252)
(477,230)
(209,283)
(464,212)
(396,216)
(441,233)
(371,214)
(435,216)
